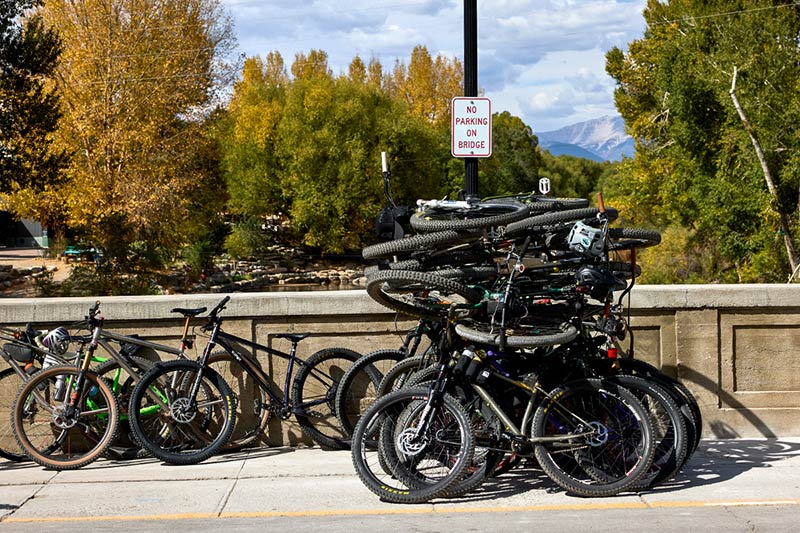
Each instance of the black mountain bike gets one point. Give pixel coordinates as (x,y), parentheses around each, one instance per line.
(192,425)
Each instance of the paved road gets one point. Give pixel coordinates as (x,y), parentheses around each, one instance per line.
(733,485)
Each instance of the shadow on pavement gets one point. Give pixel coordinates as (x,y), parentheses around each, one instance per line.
(714,462)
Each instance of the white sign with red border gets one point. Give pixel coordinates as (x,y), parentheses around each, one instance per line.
(471,127)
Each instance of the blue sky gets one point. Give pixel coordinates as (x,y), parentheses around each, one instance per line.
(540,60)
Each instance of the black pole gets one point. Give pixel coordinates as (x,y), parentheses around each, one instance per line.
(471,85)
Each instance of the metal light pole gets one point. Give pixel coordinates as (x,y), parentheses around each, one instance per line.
(471,85)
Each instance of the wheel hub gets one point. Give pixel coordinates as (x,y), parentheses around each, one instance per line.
(62,421)
(182,410)
(600,435)
(410,444)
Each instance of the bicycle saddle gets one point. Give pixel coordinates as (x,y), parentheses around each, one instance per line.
(294,337)
(189,312)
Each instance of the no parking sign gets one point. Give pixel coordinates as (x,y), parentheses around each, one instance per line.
(471,127)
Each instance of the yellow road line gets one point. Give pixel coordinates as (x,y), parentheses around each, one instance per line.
(431,509)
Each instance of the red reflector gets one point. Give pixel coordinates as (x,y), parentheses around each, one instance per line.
(613,353)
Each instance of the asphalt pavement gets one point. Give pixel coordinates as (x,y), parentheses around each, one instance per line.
(302,488)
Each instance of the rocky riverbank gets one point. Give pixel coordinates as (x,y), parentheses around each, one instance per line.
(280,268)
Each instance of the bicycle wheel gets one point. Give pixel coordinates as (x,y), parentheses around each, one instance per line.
(358,388)
(122,384)
(627,238)
(252,406)
(593,438)
(416,243)
(397,376)
(314,396)
(10,382)
(485,426)
(420,294)
(479,215)
(680,393)
(174,423)
(557,217)
(544,204)
(58,435)
(444,260)
(669,429)
(424,456)
(519,336)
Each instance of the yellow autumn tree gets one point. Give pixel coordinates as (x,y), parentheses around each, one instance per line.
(427,85)
(135,78)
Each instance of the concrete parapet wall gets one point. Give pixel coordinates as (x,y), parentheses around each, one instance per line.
(737,347)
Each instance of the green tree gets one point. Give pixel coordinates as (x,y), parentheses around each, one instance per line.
(330,139)
(515,161)
(248,137)
(135,79)
(695,165)
(29,113)
(573,176)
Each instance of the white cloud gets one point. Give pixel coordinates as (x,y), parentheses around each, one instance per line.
(542,60)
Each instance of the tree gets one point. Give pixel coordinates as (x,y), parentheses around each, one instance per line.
(29,112)
(330,139)
(248,138)
(515,161)
(695,166)
(427,85)
(135,79)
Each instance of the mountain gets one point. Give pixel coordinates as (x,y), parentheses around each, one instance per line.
(571,149)
(603,137)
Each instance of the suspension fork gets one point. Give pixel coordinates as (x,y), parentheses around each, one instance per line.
(212,342)
(433,402)
(75,390)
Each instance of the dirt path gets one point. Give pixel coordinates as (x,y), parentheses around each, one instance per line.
(23,258)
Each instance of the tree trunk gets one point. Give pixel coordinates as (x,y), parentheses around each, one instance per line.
(783,220)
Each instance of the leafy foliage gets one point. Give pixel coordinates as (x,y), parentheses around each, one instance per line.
(132,86)
(515,162)
(695,166)
(29,113)
(310,147)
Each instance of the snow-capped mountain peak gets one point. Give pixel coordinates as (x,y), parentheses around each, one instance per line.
(604,136)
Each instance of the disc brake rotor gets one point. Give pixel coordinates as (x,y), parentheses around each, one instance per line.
(600,435)
(182,411)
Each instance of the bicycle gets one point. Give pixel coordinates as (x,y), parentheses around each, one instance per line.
(360,385)
(593,436)
(175,433)
(120,369)
(66,416)
(25,355)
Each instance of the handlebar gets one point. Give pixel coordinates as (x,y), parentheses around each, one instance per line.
(220,306)
(92,319)
(452,204)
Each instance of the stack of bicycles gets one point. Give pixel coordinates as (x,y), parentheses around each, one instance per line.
(521,302)
(114,395)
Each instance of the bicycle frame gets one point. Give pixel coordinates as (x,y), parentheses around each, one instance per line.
(228,341)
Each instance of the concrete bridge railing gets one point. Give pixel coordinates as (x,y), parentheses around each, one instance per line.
(737,347)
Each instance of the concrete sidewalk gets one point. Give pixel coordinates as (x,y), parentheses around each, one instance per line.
(275,482)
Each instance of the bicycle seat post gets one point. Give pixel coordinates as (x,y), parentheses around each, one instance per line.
(186,343)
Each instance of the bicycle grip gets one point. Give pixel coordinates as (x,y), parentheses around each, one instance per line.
(600,205)
(220,306)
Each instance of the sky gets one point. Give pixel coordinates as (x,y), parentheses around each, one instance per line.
(540,60)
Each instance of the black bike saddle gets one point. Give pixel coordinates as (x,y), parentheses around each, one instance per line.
(294,337)
(189,312)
